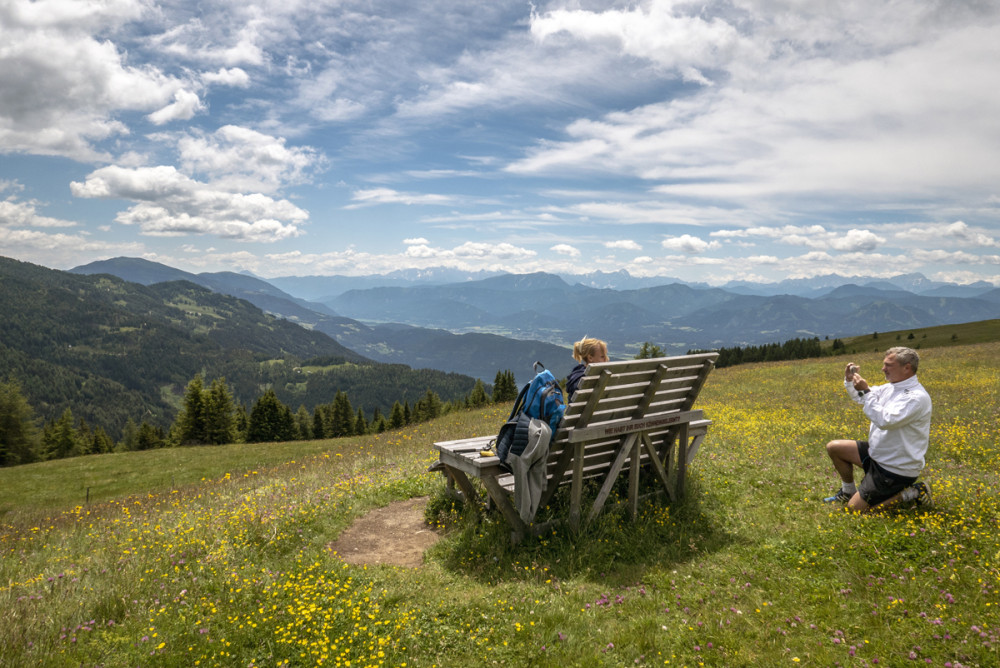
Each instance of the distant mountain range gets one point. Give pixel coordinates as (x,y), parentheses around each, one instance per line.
(475,354)
(476,324)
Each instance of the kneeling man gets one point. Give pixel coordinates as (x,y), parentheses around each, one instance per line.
(893,456)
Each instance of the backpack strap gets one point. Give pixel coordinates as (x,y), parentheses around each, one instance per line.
(519,403)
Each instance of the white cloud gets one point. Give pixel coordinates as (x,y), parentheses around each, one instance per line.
(623,244)
(813,236)
(372,196)
(656,31)
(478,255)
(14,213)
(63,87)
(689,244)
(566,249)
(233,76)
(171,204)
(958,233)
(241,158)
(231,34)
(808,123)
(185,105)
(419,241)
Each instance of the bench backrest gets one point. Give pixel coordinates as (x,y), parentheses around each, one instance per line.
(615,399)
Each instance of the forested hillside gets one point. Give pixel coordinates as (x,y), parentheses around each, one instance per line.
(114,351)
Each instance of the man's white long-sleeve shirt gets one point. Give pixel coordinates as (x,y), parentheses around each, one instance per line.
(901,424)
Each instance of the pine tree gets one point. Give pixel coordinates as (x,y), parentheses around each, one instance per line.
(504,387)
(318,426)
(84,438)
(102,443)
(219,412)
(241,422)
(130,434)
(341,416)
(360,423)
(649,350)
(192,419)
(427,407)
(149,437)
(19,440)
(60,438)
(478,395)
(397,418)
(303,424)
(270,420)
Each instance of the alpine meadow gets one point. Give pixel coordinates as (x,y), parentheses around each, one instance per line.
(221,557)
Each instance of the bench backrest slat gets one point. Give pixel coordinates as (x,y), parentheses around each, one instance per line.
(611,394)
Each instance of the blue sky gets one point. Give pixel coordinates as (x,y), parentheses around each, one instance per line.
(712,141)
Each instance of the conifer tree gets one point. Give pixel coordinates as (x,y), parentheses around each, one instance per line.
(219,412)
(130,435)
(19,440)
(270,420)
(478,395)
(303,424)
(318,426)
(241,422)
(649,350)
(102,443)
(360,423)
(504,387)
(149,437)
(59,438)
(341,416)
(397,418)
(192,419)
(427,407)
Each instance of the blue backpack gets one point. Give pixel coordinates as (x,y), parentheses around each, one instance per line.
(544,399)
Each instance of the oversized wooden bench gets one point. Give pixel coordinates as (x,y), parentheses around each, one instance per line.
(622,413)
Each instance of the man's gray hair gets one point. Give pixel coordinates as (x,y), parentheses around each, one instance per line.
(905,355)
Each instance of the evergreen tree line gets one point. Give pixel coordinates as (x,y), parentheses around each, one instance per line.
(211,416)
(793,349)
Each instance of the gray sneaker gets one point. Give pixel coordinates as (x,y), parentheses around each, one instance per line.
(841,496)
(923,498)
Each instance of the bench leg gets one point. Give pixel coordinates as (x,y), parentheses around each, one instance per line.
(658,466)
(624,452)
(633,476)
(682,456)
(468,491)
(500,497)
(576,488)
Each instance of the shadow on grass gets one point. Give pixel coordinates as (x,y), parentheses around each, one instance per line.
(613,548)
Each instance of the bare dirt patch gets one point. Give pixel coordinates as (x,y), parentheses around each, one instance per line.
(396,534)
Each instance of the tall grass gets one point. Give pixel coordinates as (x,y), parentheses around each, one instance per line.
(751,569)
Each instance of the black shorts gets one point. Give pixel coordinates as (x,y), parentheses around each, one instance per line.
(879,484)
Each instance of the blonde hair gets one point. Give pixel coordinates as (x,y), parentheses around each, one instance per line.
(586,347)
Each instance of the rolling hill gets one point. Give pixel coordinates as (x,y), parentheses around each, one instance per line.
(113,350)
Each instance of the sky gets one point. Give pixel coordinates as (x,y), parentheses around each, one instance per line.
(752,140)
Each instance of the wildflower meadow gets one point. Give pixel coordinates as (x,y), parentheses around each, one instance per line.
(220,556)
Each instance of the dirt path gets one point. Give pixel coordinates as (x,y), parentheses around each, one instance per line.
(395,535)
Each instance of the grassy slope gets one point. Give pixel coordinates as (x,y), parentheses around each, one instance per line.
(964,334)
(749,570)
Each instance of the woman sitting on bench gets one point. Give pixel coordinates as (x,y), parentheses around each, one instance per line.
(585,351)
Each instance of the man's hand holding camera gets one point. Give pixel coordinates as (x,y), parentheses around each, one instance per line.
(852,376)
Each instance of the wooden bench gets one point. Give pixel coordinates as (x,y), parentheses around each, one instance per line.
(622,413)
